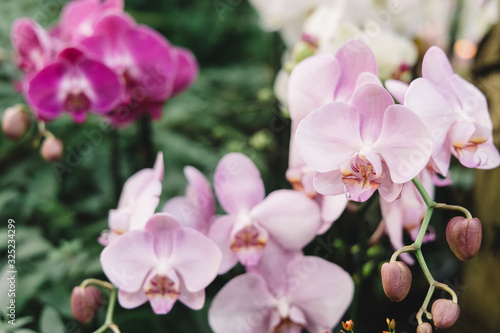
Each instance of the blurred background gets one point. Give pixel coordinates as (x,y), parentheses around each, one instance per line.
(60,211)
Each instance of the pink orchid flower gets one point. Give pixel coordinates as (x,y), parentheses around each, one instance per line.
(286,217)
(284,295)
(187,70)
(33,47)
(138,202)
(363,146)
(456,114)
(161,264)
(120,43)
(79,16)
(76,84)
(197,208)
(314,82)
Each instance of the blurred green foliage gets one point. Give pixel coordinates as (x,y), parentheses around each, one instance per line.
(60,209)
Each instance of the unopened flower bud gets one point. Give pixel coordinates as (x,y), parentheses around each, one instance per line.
(464,237)
(52,149)
(396,280)
(15,122)
(444,313)
(424,328)
(85,303)
(348,325)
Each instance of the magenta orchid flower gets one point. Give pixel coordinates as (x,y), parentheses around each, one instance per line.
(456,114)
(161,264)
(120,43)
(138,201)
(76,84)
(79,16)
(197,208)
(33,47)
(363,146)
(285,296)
(187,70)
(286,217)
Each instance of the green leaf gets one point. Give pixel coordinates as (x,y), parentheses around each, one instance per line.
(50,321)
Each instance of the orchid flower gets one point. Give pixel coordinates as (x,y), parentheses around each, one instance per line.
(79,16)
(120,43)
(313,83)
(363,146)
(283,295)
(161,264)
(455,113)
(138,201)
(187,70)
(286,217)
(197,208)
(33,47)
(74,83)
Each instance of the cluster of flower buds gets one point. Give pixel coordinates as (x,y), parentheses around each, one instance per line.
(85,303)
(464,237)
(15,122)
(396,280)
(93,60)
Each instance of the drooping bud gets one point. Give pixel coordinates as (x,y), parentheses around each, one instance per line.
(424,328)
(396,280)
(52,149)
(85,303)
(464,237)
(444,313)
(15,122)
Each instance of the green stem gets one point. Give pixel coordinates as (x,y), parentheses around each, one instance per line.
(453,207)
(423,309)
(409,248)
(423,265)
(421,189)
(108,324)
(97,282)
(423,228)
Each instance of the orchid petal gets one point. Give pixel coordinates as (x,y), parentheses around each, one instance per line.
(371,101)
(323,294)
(436,66)
(200,192)
(329,136)
(237,183)
(311,85)
(392,213)
(220,233)
(187,70)
(193,300)
(163,227)
(331,209)
(128,260)
(187,215)
(404,143)
(329,183)
(397,89)
(195,258)
(354,57)
(290,217)
(228,313)
(130,300)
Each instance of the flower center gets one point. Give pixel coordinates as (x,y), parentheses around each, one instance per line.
(248,237)
(360,179)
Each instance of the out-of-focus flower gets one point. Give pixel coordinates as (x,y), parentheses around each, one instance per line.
(149,76)
(197,208)
(33,47)
(455,113)
(363,146)
(187,70)
(161,264)
(283,294)
(79,16)
(138,202)
(74,83)
(288,218)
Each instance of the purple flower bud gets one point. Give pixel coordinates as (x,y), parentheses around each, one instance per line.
(15,122)
(396,280)
(424,328)
(444,313)
(52,149)
(464,237)
(85,303)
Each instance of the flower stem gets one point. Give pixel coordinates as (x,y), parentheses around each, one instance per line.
(108,324)
(453,207)
(98,283)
